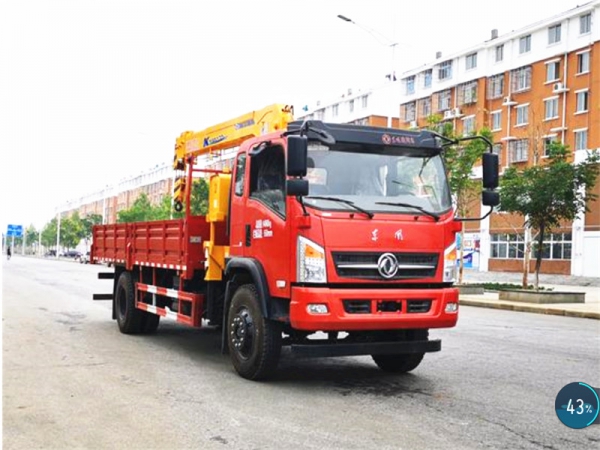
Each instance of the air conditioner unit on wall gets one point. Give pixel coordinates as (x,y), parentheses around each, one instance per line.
(508,101)
(413,124)
(557,88)
(448,114)
(456,112)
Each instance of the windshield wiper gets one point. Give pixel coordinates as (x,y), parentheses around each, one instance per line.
(346,202)
(408,205)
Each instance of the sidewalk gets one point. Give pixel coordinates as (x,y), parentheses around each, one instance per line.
(558,283)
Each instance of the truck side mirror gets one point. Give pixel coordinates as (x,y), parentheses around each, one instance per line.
(490,198)
(490,171)
(297,152)
(297,187)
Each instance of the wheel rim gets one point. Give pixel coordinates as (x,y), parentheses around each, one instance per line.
(242,332)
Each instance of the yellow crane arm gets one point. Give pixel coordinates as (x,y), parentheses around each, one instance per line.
(231,133)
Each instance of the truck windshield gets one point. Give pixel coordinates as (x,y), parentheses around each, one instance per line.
(382,179)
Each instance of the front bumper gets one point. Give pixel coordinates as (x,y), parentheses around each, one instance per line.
(339,319)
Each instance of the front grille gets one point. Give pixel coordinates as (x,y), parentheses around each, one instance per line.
(357,306)
(418,306)
(363,265)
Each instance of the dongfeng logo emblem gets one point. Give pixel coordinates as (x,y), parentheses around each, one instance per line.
(387,265)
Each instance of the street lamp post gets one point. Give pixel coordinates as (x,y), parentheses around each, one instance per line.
(387,42)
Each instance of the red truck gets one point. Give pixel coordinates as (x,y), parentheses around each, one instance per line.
(332,239)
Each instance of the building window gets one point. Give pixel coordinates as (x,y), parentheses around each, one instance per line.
(468,125)
(583,62)
(425,107)
(521,79)
(410,111)
(444,100)
(582,101)
(525,44)
(585,23)
(507,246)
(471,61)
(445,70)
(555,246)
(495,86)
(467,93)
(499,53)
(351,106)
(427,76)
(552,71)
(554,34)
(548,140)
(410,85)
(334,110)
(496,120)
(581,139)
(518,150)
(551,108)
(320,114)
(364,101)
(522,115)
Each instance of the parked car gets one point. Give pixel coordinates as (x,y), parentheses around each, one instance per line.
(71,254)
(50,253)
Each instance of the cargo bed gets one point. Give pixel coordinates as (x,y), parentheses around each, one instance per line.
(170,244)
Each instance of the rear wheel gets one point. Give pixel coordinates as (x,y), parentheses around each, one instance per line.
(403,362)
(130,319)
(254,342)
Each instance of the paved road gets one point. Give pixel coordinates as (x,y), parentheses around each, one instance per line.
(71,380)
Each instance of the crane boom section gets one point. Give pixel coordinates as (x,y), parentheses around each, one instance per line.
(231,133)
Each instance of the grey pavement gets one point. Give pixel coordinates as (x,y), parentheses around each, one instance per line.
(558,283)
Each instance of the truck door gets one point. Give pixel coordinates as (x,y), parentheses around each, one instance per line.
(266,216)
(237,224)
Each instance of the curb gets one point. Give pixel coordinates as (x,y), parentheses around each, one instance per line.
(530,309)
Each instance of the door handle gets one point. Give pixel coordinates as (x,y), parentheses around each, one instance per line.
(248,235)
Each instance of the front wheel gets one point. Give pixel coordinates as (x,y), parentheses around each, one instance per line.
(398,363)
(402,363)
(254,342)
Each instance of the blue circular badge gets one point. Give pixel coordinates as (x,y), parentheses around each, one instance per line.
(577,405)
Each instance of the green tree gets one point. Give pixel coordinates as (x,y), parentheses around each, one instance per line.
(71,230)
(49,234)
(546,195)
(88,223)
(141,211)
(460,160)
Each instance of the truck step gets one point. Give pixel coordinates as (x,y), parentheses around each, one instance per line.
(106,275)
(102,297)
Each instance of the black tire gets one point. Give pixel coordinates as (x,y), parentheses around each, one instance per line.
(150,323)
(254,342)
(130,319)
(402,363)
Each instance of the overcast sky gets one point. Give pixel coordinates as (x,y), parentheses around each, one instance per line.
(94,91)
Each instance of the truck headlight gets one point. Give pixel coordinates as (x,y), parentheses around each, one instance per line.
(311,262)
(450,264)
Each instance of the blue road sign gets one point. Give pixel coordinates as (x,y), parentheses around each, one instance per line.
(14,230)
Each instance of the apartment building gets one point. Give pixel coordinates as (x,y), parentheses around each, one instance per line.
(108,201)
(529,87)
(155,182)
(375,107)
